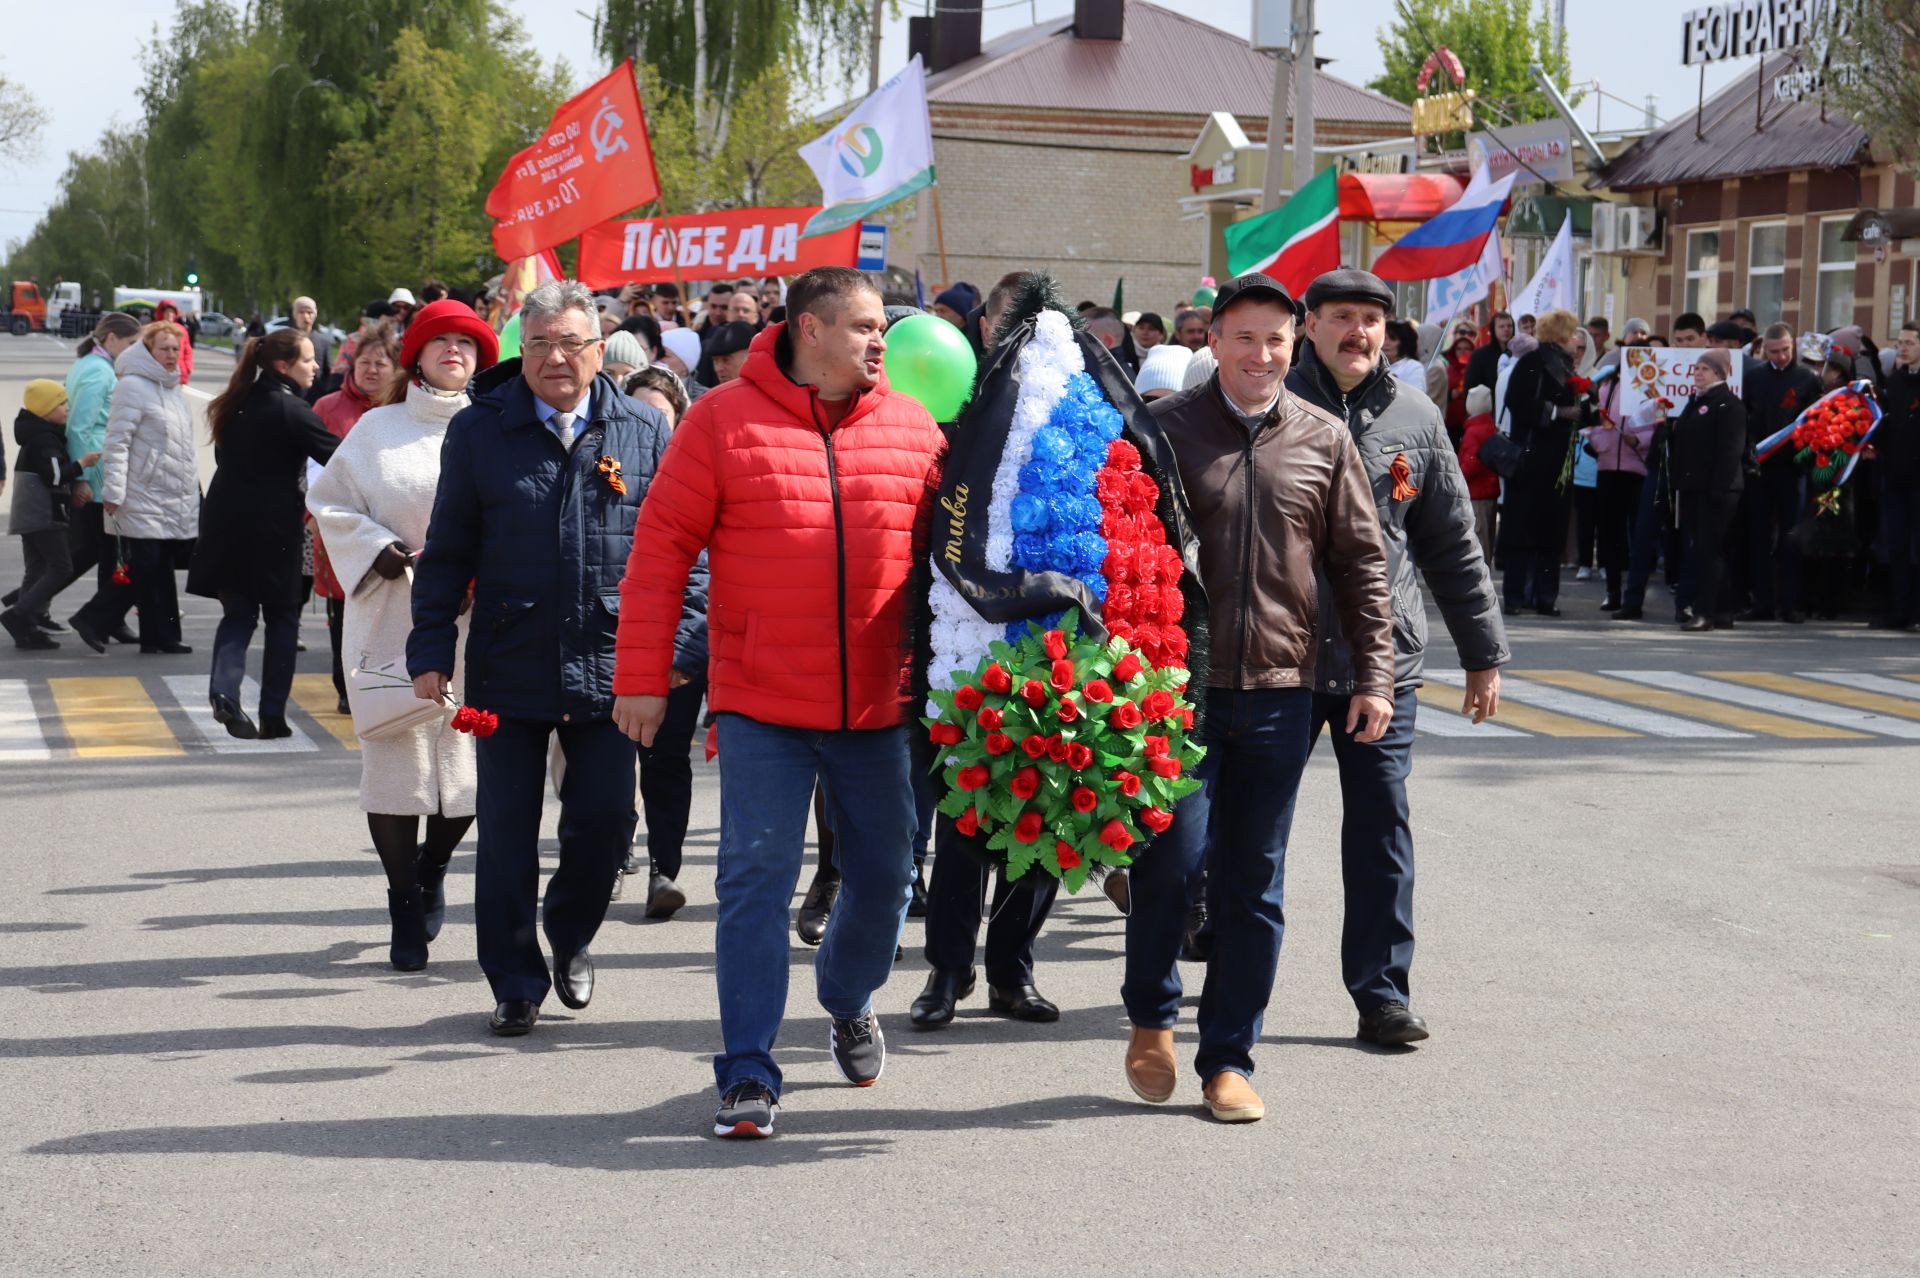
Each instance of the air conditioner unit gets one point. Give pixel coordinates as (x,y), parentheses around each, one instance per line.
(1639,229)
(1606,227)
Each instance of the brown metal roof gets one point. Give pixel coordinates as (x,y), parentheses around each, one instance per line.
(1045,66)
(1788,136)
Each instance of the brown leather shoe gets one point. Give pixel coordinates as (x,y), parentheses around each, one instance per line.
(1231,1098)
(1150,1068)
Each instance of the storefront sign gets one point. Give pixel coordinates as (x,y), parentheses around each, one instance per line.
(1386,161)
(1648,373)
(1223,172)
(706,246)
(1743,28)
(1443,112)
(1545,149)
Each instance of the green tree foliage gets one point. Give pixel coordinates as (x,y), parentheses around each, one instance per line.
(760,166)
(98,232)
(1495,41)
(1873,72)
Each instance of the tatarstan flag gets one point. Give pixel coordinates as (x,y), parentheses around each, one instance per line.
(1295,243)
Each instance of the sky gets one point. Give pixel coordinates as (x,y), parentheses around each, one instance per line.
(86,73)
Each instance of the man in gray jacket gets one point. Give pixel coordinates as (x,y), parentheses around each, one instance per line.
(1427,519)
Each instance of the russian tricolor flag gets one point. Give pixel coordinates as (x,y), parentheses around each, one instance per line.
(1452,239)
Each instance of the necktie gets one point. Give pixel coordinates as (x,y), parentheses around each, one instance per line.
(563,426)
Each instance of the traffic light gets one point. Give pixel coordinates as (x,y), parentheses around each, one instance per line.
(193,272)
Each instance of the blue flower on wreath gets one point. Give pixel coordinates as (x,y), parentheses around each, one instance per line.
(1056,515)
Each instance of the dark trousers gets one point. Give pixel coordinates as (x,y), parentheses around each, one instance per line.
(596,826)
(1773,505)
(1531,578)
(239,614)
(1706,519)
(955,893)
(1618,501)
(666,777)
(94,548)
(1376,851)
(1900,513)
(1654,537)
(1239,819)
(1586,524)
(155,592)
(47,562)
(336,629)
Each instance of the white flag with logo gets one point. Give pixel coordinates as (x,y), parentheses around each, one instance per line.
(881,152)
(1552,285)
(1448,295)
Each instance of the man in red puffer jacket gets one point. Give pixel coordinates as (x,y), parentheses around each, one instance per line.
(803,480)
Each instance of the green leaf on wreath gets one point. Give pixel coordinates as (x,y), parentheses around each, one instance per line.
(1076,878)
(953,803)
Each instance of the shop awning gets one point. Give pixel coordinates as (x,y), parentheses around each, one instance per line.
(1396,197)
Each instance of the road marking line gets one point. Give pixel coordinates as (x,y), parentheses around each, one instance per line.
(1866,682)
(314,693)
(1447,721)
(191,692)
(1530,693)
(1674,703)
(1542,721)
(1779,703)
(1795,686)
(112,717)
(21,739)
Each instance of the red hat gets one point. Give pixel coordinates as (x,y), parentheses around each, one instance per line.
(436,319)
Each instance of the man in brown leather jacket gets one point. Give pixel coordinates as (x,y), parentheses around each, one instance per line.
(1277,491)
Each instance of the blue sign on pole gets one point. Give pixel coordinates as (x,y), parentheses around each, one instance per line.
(872,254)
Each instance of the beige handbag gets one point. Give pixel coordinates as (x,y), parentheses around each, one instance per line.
(383,703)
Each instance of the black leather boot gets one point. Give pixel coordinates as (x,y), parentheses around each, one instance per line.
(408,951)
(433,892)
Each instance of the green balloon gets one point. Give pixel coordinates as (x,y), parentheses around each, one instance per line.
(510,337)
(930,360)
(1203,296)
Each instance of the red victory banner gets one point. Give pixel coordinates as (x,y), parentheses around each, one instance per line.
(594,162)
(710,245)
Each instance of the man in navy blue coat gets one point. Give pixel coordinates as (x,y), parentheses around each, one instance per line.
(541,479)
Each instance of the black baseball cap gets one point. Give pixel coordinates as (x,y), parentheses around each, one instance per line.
(1727,331)
(1349,283)
(1243,288)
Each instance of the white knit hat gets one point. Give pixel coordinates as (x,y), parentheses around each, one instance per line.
(1164,369)
(685,343)
(1199,369)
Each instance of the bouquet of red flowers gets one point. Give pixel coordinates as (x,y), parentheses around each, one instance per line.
(1064,752)
(1828,437)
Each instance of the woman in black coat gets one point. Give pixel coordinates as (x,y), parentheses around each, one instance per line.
(252,527)
(1543,410)
(1708,461)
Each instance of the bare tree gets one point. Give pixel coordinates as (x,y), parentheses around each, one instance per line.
(21,120)
(1872,71)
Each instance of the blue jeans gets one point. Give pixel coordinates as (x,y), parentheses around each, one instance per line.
(767,777)
(1376,851)
(1257,742)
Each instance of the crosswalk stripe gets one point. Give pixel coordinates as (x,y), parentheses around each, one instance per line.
(21,740)
(191,692)
(1779,703)
(315,694)
(112,717)
(1525,691)
(1447,721)
(1793,685)
(1543,721)
(1865,682)
(1744,718)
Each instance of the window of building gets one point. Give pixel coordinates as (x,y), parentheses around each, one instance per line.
(1833,307)
(1702,292)
(1766,271)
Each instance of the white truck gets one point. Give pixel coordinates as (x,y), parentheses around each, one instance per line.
(187,299)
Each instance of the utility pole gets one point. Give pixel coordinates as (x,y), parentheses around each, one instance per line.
(873,61)
(1270,34)
(1292,85)
(1303,75)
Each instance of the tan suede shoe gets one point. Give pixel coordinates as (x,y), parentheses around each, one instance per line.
(1150,1068)
(1231,1098)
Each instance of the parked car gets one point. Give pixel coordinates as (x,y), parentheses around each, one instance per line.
(214,324)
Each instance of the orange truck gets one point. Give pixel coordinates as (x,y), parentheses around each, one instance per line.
(33,309)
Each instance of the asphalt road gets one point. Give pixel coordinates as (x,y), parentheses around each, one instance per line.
(1665,970)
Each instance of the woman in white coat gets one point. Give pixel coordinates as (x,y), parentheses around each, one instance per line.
(371,506)
(150,479)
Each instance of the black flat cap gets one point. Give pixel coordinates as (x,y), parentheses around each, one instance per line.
(1350,284)
(1244,288)
(1727,331)
(728,339)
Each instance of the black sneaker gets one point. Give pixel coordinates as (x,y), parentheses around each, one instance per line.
(859,1049)
(746,1110)
(1391,1025)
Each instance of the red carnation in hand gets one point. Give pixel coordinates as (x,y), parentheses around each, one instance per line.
(1027,828)
(1058,747)
(1127,669)
(1064,853)
(967,823)
(1056,644)
(945,734)
(1124,715)
(998,743)
(1024,783)
(1165,766)
(1079,757)
(481,723)
(1060,677)
(1156,747)
(1034,693)
(1067,710)
(1035,746)
(1156,819)
(968,697)
(1129,783)
(996,678)
(1157,705)
(122,575)
(1084,800)
(1115,836)
(972,778)
(1098,690)
(989,718)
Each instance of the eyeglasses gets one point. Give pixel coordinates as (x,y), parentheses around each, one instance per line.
(540,347)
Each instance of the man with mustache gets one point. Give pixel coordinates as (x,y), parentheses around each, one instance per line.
(1426,515)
